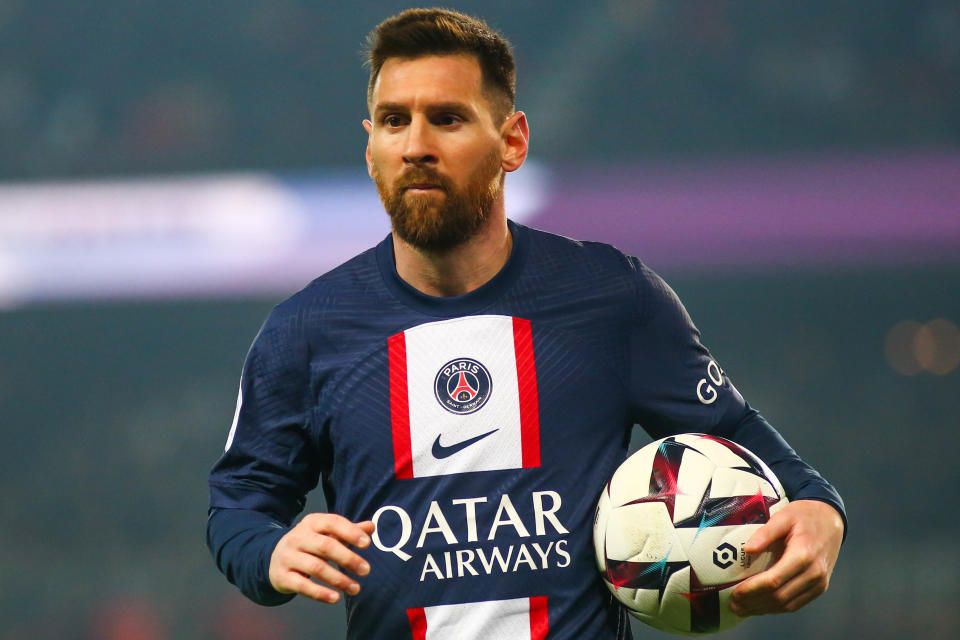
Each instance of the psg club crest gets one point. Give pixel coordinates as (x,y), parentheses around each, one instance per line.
(462,386)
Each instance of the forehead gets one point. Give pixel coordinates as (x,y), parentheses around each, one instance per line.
(428,79)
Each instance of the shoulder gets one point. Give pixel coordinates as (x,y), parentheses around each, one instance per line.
(561,251)
(349,280)
(603,267)
(590,260)
(295,320)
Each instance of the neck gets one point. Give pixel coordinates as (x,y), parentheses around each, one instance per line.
(459,270)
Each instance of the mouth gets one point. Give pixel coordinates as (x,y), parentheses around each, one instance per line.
(420,187)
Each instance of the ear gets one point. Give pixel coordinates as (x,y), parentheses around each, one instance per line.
(515,133)
(368,126)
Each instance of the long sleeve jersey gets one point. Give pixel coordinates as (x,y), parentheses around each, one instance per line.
(477,432)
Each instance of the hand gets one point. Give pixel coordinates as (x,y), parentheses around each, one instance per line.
(307,550)
(812,532)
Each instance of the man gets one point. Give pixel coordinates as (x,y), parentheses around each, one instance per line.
(466,388)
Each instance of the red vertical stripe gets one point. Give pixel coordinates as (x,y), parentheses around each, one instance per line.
(400,407)
(529,399)
(418,623)
(539,618)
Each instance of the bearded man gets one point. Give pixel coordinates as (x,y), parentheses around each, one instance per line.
(466,388)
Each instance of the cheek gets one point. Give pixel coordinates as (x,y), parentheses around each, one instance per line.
(378,147)
(376,160)
(470,159)
(386,154)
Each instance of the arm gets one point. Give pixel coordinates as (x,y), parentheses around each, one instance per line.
(677,387)
(259,485)
(242,541)
(270,563)
(810,529)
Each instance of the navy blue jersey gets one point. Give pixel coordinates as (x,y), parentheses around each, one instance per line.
(476,431)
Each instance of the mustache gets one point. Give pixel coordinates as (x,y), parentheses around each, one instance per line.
(422,175)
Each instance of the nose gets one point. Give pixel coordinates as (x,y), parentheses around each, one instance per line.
(419,147)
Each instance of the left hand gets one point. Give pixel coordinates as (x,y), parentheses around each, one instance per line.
(811,532)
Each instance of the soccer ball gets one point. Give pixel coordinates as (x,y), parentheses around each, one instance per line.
(671,525)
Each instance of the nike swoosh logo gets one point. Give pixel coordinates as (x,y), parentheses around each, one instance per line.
(439,451)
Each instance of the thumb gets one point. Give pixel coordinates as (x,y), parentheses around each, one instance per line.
(766,535)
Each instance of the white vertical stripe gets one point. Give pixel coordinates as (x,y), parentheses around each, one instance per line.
(492,620)
(236,417)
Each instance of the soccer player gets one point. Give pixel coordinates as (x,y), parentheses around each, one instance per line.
(465,389)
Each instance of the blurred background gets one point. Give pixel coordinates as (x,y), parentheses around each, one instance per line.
(170,170)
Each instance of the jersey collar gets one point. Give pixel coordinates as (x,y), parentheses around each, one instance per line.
(468,303)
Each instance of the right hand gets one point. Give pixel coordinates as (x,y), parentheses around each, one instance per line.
(301,561)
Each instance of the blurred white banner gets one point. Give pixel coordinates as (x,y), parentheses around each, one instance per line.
(219,235)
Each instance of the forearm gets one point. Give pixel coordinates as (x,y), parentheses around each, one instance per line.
(799,480)
(242,542)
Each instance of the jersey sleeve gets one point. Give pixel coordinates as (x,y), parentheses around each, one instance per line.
(270,462)
(676,386)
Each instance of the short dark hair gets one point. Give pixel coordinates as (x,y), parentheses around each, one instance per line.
(415,33)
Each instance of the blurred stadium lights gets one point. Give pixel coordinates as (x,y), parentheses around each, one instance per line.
(912,347)
(247,234)
(219,235)
(750,214)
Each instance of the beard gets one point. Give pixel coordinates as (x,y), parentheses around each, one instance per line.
(439,222)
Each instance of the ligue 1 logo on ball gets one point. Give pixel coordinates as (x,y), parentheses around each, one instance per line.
(462,386)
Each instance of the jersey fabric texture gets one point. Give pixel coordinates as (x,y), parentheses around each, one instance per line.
(477,431)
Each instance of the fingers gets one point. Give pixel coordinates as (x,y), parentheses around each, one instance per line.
(791,596)
(792,582)
(293,582)
(340,528)
(308,559)
(763,537)
(803,599)
(313,567)
(329,548)
(791,564)
(811,535)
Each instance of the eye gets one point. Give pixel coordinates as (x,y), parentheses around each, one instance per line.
(447,119)
(393,120)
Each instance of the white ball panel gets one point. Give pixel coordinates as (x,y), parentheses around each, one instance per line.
(693,478)
(675,609)
(771,476)
(652,620)
(600,528)
(689,439)
(733,565)
(727,617)
(639,532)
(737,482)
(645,601)
(632,478)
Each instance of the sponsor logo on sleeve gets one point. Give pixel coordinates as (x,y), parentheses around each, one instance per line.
(707,392)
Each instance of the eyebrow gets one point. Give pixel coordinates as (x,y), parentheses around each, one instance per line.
(433,108)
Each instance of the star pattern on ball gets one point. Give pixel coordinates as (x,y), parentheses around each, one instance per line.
(704,604)
(731,510)
(751,464)
(641,575)
(663,477)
